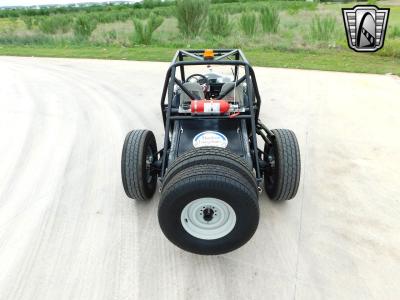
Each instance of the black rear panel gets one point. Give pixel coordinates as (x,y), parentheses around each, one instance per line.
(231,129)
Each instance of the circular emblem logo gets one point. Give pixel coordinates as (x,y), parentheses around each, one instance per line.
(211,139)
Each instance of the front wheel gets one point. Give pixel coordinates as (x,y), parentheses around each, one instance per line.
(138,154)
(282,175)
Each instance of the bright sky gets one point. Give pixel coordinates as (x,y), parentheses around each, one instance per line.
(44,2)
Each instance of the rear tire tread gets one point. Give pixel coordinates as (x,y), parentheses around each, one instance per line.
(209,177)
(210,155)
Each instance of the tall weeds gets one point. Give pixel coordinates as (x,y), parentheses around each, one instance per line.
(394,32)
(322,28)
(144,32)
(269,19)
(83,27)
(191,15)
(248,23)
(219,24)
(55,24)
(28,22)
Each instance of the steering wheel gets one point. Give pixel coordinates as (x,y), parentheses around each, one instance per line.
(200,79)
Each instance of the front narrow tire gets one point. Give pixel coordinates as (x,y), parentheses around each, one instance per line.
(282,176)
(138,154)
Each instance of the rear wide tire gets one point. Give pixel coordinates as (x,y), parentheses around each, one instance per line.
(211,155)
(222,192)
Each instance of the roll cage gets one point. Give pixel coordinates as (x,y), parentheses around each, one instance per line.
(232,57)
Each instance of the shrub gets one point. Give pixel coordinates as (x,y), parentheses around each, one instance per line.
(248,23)
(35,21)
(219,24)
(322,29)
(394,32)
(391,49)
(83,27)
(144,32)
(151,3)
(110,36)
(38,39)
(191,15)
(269,19)
(54,24)
(8,29)
(28,22)
(47,25)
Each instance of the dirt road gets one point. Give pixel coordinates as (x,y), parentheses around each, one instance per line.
(67,230)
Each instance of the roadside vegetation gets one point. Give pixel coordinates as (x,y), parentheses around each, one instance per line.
(269,19)
(248,23)
(144,32)
(297,30)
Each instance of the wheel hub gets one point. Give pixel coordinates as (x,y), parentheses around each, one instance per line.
(270,171)
(208,214)
(208,218)
(149,161)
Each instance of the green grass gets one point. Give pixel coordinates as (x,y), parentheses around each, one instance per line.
(345,60)
(310,34)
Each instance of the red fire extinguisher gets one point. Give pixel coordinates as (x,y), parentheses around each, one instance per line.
(209,107)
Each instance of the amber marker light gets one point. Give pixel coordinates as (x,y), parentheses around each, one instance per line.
(208,54)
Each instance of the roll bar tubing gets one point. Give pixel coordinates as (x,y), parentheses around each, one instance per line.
(221,57)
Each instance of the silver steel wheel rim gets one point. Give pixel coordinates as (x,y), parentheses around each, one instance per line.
(198,220)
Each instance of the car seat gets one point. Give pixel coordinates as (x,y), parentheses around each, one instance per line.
(194,88)
(235,94)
